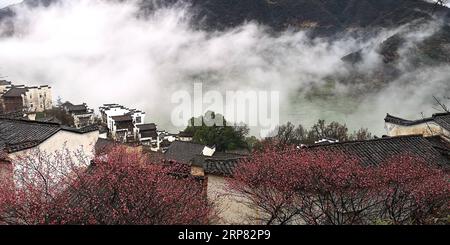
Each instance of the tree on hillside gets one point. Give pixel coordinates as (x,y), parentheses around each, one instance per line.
(122,187)
(324,187)
(60,115)
(59,102)
(288,134)
(224,136)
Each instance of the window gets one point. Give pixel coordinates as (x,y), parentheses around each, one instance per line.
(31,105)
(40,96)
(31,96)
(138,119)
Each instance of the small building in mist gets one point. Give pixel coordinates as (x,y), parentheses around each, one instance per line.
(185,136)
(121,122)
(82,116)
(147,135)
(29,100)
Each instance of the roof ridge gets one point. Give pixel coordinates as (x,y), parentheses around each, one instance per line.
(396,117)
(29,121)
(86,129)
(369,140)
(408,121)
(440,114)
(189,142)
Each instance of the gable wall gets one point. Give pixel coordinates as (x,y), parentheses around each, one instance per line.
(71,141)
(425,129)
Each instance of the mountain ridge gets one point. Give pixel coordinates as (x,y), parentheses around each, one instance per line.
(283,14)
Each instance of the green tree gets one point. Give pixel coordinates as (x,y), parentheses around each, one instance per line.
(213,129)
(252,142)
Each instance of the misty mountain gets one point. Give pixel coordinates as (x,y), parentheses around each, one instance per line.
(322,17)
(326,16)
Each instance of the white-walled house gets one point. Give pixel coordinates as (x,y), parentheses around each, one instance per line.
(19,138)
(185,136)
(164,135)
(121,122)
(147,134)
(27,99)
(82,116)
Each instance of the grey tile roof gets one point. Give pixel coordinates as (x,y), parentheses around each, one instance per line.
(51,119)
(185,134)
(149,134)
(19,134)
(122,118)
(5,82)
(15,92)
(148,126)
(67,103)
(87,129)
(221,168)
(72,108)
(441,144)
(221,163)
(183,152)
(14,115)
(443,120)
(377,151)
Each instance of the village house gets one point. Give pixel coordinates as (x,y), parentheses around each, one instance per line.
(20,137)
(436,125)
(82,116)
(27,99)
(122,128)
(164,135)
(214,167)
(121,122)
(147,135)
(165,139)
(185,136)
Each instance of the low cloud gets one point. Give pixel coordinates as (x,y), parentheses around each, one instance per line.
(98,52)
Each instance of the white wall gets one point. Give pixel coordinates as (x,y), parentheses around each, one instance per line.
(117,111)
(40,98)
(425,129)
(231,208)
